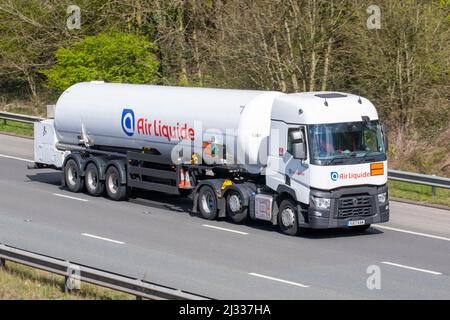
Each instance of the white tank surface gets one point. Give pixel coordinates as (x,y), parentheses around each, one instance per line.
(142,116)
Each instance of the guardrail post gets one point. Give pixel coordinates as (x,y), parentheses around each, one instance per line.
(433,188)
(67,286)
(72,279)
(2,263)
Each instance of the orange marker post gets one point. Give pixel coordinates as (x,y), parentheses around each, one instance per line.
(181,184)
(187,183)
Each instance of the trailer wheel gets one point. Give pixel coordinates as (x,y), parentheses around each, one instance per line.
(72,176)
(94,186)
(235,207)
(207,203)
(115,190)
(288,218)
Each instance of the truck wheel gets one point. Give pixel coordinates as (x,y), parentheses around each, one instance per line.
(235,207)
(362,228)
(287,218)
(207,203)
(72,176)
(114,189)
(94,186)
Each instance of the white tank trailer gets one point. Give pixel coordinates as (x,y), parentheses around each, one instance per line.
(302,160)
(161,117)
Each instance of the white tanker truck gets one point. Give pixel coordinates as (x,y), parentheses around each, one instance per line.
(301,160)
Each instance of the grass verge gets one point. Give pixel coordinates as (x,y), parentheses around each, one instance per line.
(416,192)
(18,282)
(18,128)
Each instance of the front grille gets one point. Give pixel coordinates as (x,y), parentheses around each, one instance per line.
(355,206)
(366,211)
(358,201)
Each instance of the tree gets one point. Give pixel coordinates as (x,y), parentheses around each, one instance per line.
(115,57)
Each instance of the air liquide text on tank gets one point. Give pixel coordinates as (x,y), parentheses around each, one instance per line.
(299,160)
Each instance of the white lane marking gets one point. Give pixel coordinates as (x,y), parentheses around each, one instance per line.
(69,197)
(15,158)
(411,268)
(223,229)
(279,280)
(101,238)
(413,232)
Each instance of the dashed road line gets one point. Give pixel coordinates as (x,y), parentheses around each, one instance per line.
(69,197)
(102,238)
(413,232)
(15,158)
(278,280)
(224,229)
(411,268)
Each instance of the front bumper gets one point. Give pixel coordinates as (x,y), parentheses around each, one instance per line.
(331,222)
(324,219)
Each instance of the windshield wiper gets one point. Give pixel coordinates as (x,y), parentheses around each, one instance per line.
(368,157)
(360,154)
(336,158)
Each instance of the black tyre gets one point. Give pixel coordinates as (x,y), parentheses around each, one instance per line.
(362,228)
(207,203)
(288,217)
(235,207)
(114,189)
(94,186)
(72,176)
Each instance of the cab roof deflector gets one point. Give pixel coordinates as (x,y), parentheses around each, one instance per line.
(330,95)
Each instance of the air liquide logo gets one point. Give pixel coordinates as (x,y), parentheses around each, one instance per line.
(128,122)
(334,176)
(144,126)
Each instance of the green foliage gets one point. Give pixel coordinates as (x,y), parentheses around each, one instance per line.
(16,128)
(18,282)
(116,57)
(417,192)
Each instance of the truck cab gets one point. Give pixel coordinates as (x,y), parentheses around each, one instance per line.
(327,159)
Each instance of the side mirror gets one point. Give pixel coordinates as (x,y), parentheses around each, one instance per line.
(298,145)
(299,150)
(385,137)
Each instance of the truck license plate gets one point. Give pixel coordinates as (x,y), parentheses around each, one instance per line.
(356,223)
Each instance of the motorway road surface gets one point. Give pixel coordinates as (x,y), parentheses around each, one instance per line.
(157,238)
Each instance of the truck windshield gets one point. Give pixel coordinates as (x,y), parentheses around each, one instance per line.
(349,142)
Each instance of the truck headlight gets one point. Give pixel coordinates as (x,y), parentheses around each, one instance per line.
(382,197)
(321,203)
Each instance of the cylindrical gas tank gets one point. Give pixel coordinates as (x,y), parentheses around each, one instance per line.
(160,117)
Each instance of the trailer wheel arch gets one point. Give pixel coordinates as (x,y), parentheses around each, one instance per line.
(101,166)
(78,159)
(120,166)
